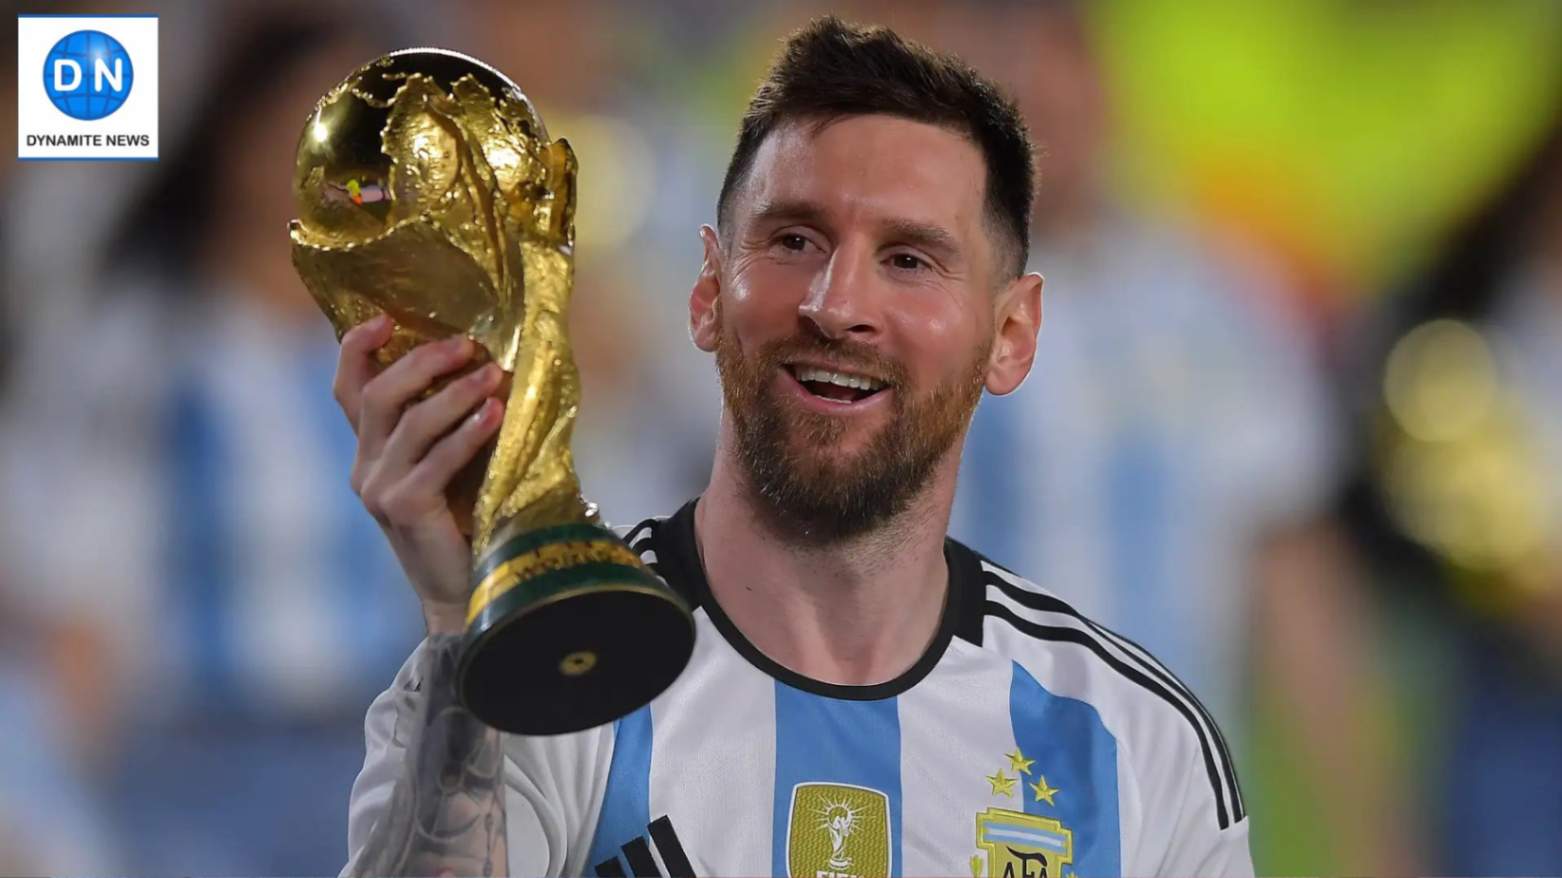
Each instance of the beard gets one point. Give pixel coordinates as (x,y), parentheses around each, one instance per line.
(806,486)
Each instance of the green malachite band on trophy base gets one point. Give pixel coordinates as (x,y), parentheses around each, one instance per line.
(533,540)
(526,559)
(558,584)
(570,647)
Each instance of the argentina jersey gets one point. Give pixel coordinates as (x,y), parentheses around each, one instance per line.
(1027,742)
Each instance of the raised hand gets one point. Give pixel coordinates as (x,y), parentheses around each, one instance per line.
(411,445)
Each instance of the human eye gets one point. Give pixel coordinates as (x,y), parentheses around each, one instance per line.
(792,241)
(908,262)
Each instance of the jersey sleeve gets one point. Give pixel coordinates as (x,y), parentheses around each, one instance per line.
(551,789)
(1200,847)
(1187,829)
(1228,855)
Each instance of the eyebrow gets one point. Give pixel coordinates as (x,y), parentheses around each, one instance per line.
(927,236)
(788,211)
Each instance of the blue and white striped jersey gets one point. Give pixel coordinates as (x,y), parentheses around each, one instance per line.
(1026,742)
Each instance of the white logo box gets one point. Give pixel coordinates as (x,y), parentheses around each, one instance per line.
(127,134)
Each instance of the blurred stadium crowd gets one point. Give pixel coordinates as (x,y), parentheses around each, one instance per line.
(1296,424)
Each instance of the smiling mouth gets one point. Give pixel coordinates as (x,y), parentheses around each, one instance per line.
(842,387)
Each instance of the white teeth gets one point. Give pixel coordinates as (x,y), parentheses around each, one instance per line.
(809,373)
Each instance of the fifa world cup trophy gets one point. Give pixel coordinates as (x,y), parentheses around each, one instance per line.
(428,189)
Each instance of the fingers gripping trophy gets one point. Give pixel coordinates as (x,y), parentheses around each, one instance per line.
(429,191)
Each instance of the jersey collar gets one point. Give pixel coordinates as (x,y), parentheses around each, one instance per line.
(678,561)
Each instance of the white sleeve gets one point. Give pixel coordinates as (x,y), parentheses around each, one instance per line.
(552,785)
(1182,834)
(1203,849)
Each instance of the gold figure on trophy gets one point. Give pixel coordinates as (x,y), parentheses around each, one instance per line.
(428,189)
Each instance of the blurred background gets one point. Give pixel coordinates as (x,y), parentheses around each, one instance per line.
(1296,423)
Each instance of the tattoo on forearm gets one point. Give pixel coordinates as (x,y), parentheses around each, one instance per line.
(446,815)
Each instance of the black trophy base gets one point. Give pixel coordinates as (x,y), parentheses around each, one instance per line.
(574,646)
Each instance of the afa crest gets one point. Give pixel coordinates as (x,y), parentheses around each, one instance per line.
(838,831)
(1021,845)
(1017,844)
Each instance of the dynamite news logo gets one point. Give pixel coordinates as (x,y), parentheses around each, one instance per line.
(112,75)
(87,87)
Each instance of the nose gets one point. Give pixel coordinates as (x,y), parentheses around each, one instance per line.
(840,302)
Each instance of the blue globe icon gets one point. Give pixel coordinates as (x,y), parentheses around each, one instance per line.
(88,74)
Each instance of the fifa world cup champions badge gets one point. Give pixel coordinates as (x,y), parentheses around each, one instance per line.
(86,87)
(838,831)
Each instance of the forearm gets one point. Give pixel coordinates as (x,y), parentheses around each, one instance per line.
(446,814)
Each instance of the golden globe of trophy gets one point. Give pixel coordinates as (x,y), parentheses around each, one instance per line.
(428,189)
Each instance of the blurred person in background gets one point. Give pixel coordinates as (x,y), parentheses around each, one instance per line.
(242,607)
(1459,501)
(1180,447)
(49,822)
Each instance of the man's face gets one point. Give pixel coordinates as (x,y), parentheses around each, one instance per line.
(855,317)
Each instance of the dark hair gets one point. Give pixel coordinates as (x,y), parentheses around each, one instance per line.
(1479,257)
(830,69)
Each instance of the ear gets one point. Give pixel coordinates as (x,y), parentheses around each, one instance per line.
(705,297)
(704,322)
(1014,334)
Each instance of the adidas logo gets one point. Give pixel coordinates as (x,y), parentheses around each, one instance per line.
(642,864)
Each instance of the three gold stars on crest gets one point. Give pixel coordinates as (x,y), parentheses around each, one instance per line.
(1003,785)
